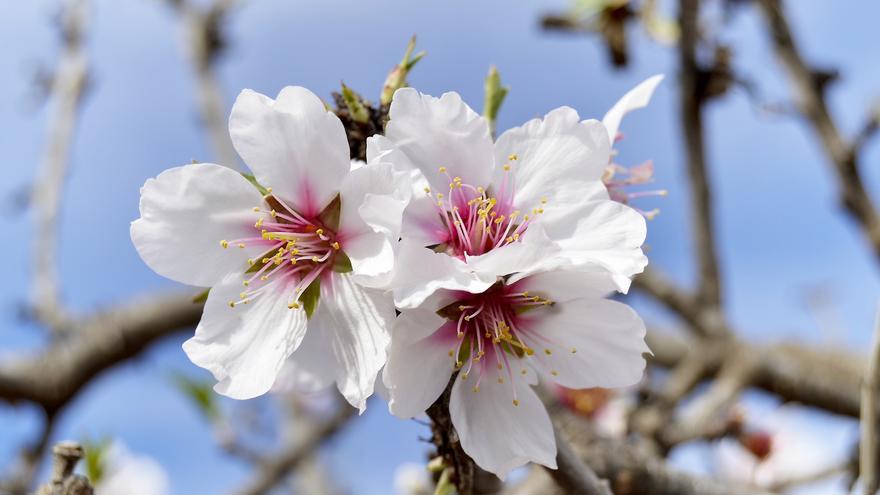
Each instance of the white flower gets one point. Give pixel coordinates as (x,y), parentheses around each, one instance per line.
(487,204)
(289,270)
(606,409)
(129,474)
(776,448)
(617,178)
(555,324)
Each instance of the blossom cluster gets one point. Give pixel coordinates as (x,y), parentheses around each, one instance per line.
(448,259)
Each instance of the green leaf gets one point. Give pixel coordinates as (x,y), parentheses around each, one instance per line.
(310,296)
(96,458)
(253,180)
(200,393)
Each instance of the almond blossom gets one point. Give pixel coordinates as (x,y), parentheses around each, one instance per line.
(292,267)
(618,178)
(553,324)
(483,203)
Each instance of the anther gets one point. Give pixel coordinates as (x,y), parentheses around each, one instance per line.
(224,243)
(548,352)
(442,170)
(515,402)
(512,157)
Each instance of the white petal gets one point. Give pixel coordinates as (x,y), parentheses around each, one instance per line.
(562,285)
(185,213)
(636,98)
(607,233)
(498,435)
(311,367)
(419,366)
(292,144)
(441,132)
(422,223)
(245,347)
(609,338)
(382,149)
(357,322)
(422,272)
(511,258)
(373,198)
(556,159)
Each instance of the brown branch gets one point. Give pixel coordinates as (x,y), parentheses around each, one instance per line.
(699,318)
(630,468)
(68,87)
(66,456)
(868,418)
(205,42)
(279,466)
(571,474)
(53,377)
(809,87)
(692,98)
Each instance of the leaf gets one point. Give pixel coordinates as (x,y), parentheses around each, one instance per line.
(310,296)
(200,393)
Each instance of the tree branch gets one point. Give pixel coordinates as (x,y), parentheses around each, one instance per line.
(868,423)
(811,100)
(68,87)
(571,474)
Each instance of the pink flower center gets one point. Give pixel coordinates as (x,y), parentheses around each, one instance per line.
(297,250)
(476,220)
(493,331)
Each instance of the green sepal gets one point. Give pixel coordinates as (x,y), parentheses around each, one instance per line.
(95,460)
(310,296)
(329,216)
(253,180)
(201,297)
(342,263)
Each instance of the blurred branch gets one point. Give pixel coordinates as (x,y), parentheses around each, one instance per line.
(868,423)
(278,466)
(24,470)
(205,42)
(571,474)
(630,468)
(101,341)
(809,84)
(68,85)
(692,96)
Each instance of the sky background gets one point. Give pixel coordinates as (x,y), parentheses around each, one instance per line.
(782,238)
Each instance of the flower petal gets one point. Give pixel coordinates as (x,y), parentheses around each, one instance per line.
(562,285)
(636,98)
(498,435)
(185,213)
(373,198)
(245,347)
(607,233)
(357,323)
(419,366)
(441,132)
(422,223)
(382,149)
(292,144)
(423,272)
(608,336)
(556,158)
(311,367)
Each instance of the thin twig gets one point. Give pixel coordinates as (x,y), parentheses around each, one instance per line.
(868,444)
(285,462)
(68,87)
(810,87)
(692,100)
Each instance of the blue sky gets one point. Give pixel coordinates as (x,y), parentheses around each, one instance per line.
(780,232)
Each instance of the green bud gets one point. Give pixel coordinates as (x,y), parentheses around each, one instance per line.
(436,464)
(445,486)
(95,460)
(355,105)
(494,97)
(397,77)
